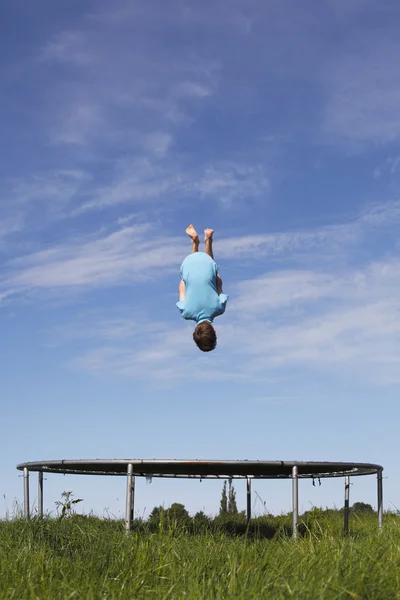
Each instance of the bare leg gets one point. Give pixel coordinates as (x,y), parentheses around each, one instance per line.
(192,233)
(208,240)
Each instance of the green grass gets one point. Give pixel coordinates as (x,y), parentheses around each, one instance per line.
(88,558)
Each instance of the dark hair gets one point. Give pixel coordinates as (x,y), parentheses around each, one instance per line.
(205,337)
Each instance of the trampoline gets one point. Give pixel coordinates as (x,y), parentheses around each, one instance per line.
(206,469)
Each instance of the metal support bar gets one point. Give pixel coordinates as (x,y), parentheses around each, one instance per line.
(26,493)
(295,500)
(133,499)
(248,499)
(380,498)
(346,503)
(40,494)
(129,497)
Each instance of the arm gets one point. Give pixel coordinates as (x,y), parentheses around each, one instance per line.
(182,291)
(223,298)
(219,285)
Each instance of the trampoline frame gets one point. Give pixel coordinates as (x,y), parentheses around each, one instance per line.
(207,469)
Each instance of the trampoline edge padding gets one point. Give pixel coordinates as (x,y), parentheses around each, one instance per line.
(203,469)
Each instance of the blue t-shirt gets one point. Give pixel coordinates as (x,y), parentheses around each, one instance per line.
(199,272)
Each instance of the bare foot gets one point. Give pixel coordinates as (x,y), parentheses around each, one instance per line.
(192,233)
(208,234)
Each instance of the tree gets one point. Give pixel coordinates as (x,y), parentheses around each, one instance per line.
(223,507)
(177,514)
(201,520)
(228,504)
(155,515)
(232,506)
(362,507)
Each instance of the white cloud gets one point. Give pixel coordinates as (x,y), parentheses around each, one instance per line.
(283,288)
(122,256)
(288,289)
(138,181)
(363,92)
(137,252)
(146,178)
(158,142)
(129,254)
(347,319)
(331,316)
(8,226)
(239,17)
(158,360)
(32,202)
(68,47)
(191,14)
(394,163)
(54,187)
(347,322)
(130,87)
(329,240)
(261,245)
(81,123)
(228,182)
(189,88)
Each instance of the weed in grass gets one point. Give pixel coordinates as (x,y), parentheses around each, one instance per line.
(85,557)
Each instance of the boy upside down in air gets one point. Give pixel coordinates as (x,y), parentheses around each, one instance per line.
(200,290)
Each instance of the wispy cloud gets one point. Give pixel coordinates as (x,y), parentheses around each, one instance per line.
(137,252)
(137,181)
(158,143)
(9,226)
(363,89)
(82,124)
(216,15)
(124,118)
(351,325)
(329,240)
(55,188)
(144,179)
(122,256)
(112,96)
(68,47)
(329,316)
(28,203)
(275,122)
(147,119)
(282,289)
(229,182)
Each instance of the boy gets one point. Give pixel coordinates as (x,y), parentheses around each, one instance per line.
(200,290)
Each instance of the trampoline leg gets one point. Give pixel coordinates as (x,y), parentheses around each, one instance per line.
(248,500)
(346,503)
(129,497)
(26,494)
(40,494)
(380,498)
(133,499)
(295,500)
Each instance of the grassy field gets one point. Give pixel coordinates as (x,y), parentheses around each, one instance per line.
(85,557)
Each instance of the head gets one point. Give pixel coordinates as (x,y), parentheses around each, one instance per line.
(205,337)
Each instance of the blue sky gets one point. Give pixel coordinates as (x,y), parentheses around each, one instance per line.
(277,124)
